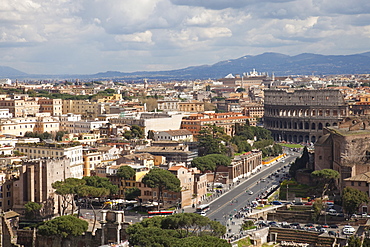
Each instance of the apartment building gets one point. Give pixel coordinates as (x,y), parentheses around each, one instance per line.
(53,106)
(56,151)
(85,108)
(168,105)
(19,126)
(253,110)
(140,172)
(174,152)
(173,135)
(21,107)
(195,122)
(84,126)
(191,106)
(4,113)
(186,177)
(151,121)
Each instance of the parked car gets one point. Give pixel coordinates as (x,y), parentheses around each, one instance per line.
(331,233)
(332,212)
(276,203)
(348,230)
(334,226)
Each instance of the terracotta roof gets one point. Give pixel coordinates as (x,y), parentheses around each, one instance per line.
(364,177)
(176,168)
(179,132)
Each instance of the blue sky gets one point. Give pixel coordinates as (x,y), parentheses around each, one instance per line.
(90,36)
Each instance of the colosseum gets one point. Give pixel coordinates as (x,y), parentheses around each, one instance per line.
(299,116)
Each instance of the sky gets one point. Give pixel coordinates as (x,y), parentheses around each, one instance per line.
(91,36)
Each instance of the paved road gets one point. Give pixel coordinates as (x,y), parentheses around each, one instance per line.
(229,203)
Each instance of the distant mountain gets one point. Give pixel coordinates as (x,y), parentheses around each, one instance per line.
(6,72)
(279,64)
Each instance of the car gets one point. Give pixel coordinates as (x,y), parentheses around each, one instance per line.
(310,225)
(298,203)
(348,230)
(322,230)
(263,180)
(203,213)
(334,226)
(276,203)
(325,226)
(331,233)
(250,192)
(332,211)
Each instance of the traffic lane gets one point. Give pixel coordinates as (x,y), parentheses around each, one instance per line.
(237,198)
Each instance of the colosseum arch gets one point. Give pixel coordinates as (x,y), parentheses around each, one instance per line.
(319,126)
(313,126)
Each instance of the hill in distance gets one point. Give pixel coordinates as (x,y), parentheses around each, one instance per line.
(279,64)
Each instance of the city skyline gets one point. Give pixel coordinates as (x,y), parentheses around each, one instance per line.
(79,37)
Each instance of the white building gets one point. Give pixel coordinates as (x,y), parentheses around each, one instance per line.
(56,151)
(81,126)
(4,113)
(173,135)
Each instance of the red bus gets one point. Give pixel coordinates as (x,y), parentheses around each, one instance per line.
(160,213)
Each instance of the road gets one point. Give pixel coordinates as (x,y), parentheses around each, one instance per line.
(229,203)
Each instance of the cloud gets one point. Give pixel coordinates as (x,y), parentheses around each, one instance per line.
(223,4)
(86,36)
(144,37)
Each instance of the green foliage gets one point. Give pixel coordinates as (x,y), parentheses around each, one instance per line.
(326,178)
(42,136)
(135,132)
(212,140)
(32,209)
(263,143)
(163,180)
(59,135)
(366,242)
(241,144)
(63,226)
(354,241)
(247,225)
(317,206)
(186,229)
(210,162)
(244,242)
(150,134)
(125,172)
(99,182)
(132,193)
(352,199)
